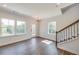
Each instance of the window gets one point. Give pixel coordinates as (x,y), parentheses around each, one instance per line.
(20,27)
(7,27)
(11,27)
(51,27)
(33,29)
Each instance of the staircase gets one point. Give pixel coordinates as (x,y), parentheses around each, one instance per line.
(69,33)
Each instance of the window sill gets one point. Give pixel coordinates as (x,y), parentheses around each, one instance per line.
(14,35)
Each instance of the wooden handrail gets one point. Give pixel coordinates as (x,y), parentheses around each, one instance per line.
(68,26)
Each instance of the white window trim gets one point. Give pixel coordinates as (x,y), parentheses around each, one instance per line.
(48,28)
(16,26)
(15,34)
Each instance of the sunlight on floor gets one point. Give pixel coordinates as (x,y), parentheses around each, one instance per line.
(47,41)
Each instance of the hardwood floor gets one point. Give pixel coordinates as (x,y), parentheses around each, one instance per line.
(34,46)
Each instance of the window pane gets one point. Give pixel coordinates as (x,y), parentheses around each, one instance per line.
(4,22)
(6,31)
(21,27)
(52,27)
(33,29)
(3,31)
(11,23)
(7,27)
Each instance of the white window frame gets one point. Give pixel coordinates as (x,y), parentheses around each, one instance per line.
(5,27)
(15,34)
(49,27)
(16,26)
(33,29)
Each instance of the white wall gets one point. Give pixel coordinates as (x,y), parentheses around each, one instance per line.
(11,39)
(62,21)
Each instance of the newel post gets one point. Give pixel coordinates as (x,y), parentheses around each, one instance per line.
(56,38)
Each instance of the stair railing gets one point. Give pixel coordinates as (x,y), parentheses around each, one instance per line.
(68,33)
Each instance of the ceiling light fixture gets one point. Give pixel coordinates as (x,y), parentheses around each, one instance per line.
(37,17)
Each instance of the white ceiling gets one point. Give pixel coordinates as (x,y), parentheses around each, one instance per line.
(37,10)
